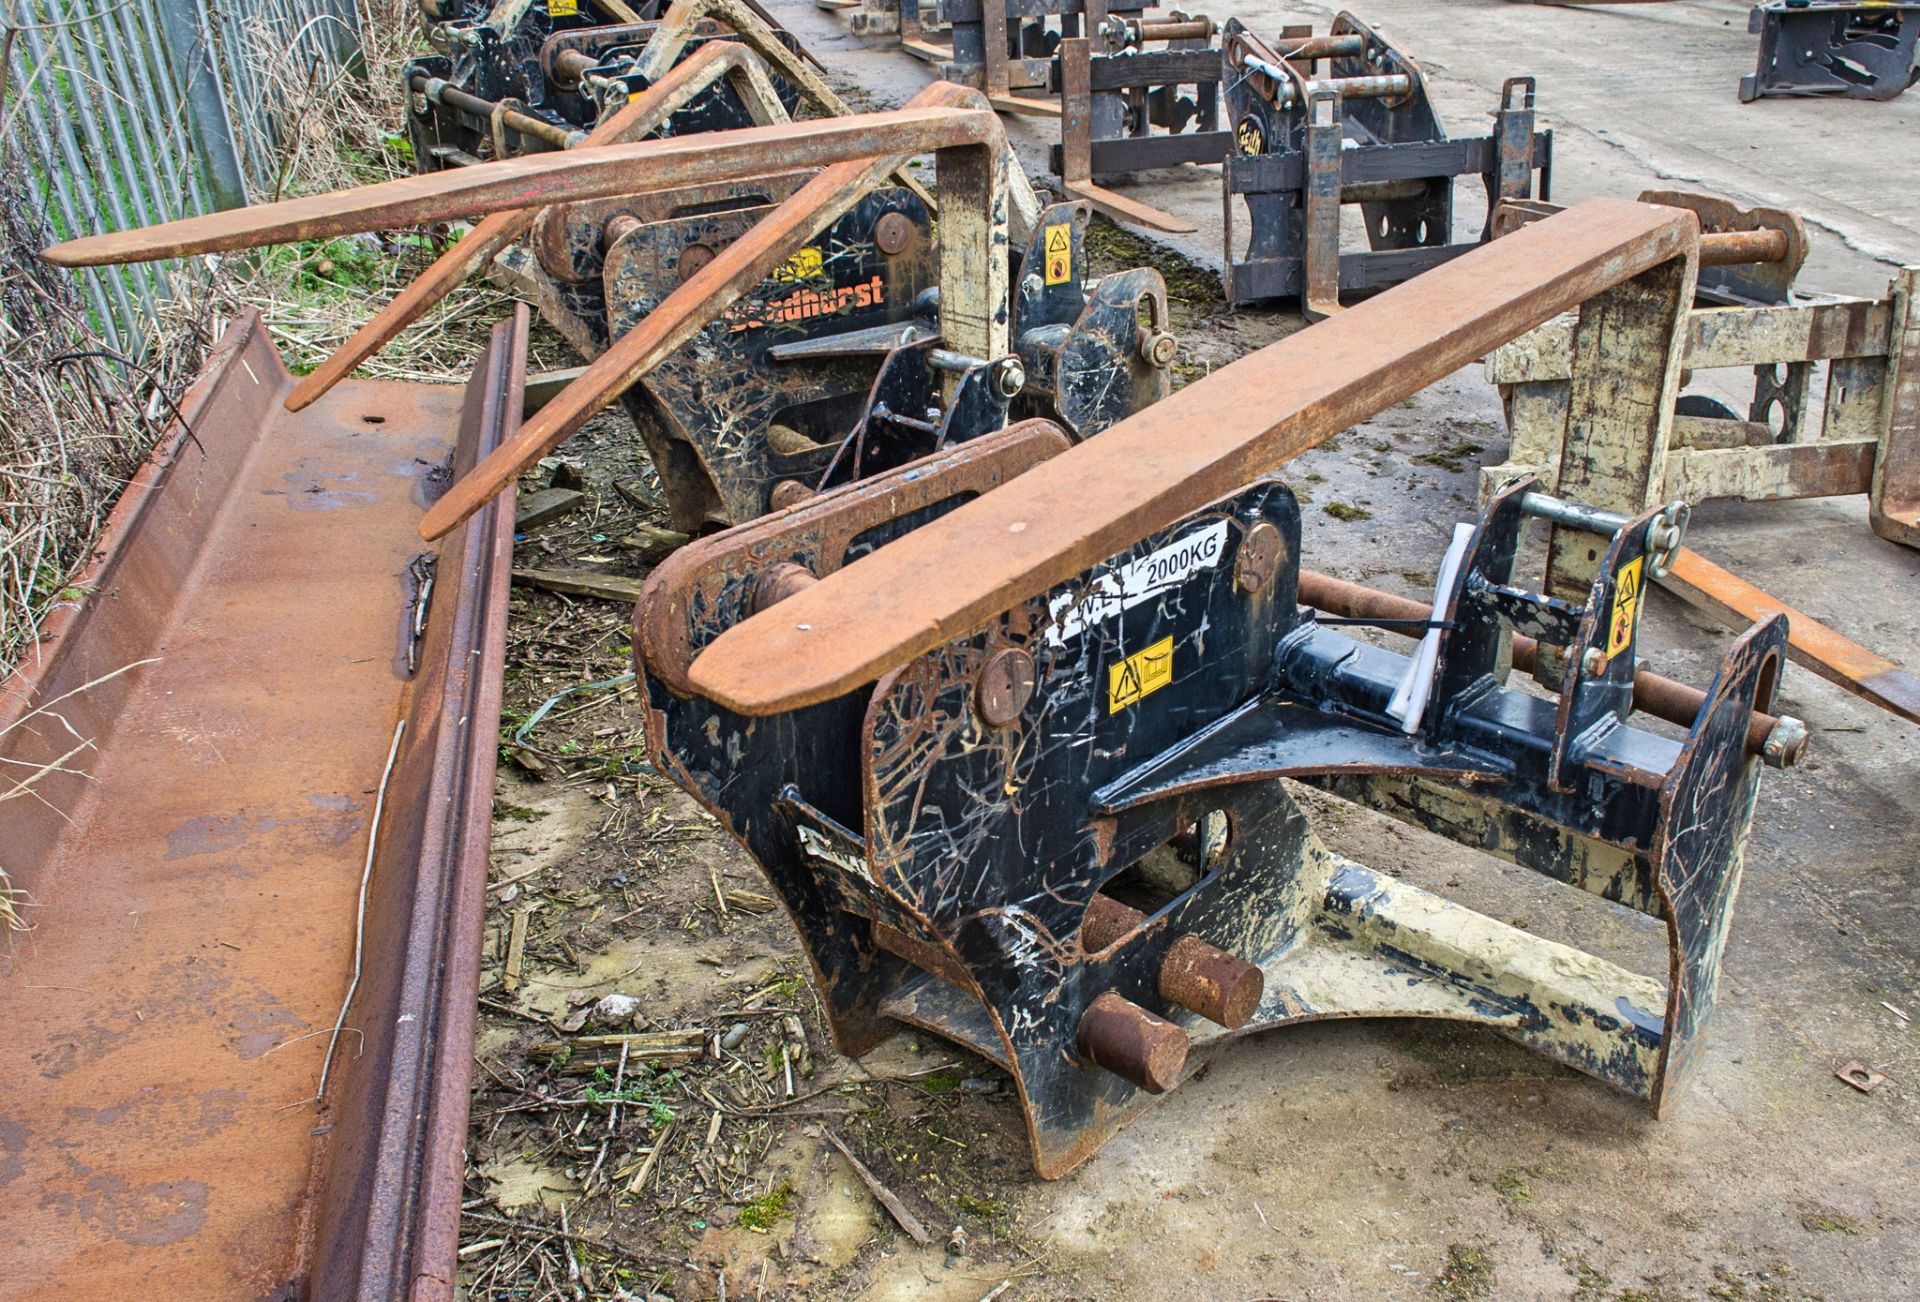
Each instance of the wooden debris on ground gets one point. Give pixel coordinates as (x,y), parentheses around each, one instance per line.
(583,1053)
(546,505)
(581,583)
(885,1196)
(516,951)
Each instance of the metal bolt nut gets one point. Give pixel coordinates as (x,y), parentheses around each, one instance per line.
(692,258)
(1158,348)
(1785,744)
(1593,662)
(1009,376)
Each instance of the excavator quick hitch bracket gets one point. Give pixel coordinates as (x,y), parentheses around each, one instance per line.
(516,79)
(1678,438)
(1363,131)
(1034,804)
(1126,108)
(1866,50)
(838,365)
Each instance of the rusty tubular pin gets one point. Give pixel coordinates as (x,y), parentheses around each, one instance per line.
(1778,742)
(778,582)
(444,92)
(1191,29)
(1321,47)
(618,228)
(1372,86)
(1200,977)
(1380,191)
(570,68)
(1378,86)
(1734,248)
(1144,1050)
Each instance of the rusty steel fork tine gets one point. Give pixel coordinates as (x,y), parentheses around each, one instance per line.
(1175,457)
(538,179)
(688,309)
(1810,644)
(638,117)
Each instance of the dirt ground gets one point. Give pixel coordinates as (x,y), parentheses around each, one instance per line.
(1392,1160)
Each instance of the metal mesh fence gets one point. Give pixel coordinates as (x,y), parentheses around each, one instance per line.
(118,113)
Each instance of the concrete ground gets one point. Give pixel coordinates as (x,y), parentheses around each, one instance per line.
(1412,1161)
(1385,1160)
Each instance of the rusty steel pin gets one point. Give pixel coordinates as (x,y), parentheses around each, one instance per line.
(1144,1050)
(1261,551)
(1199,977)
(778,582)
(1004,686)
(788,492)
(892,232)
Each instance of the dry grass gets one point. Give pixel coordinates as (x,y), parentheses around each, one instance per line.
(77,419)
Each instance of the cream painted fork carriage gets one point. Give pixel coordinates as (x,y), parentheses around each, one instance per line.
(1036,804)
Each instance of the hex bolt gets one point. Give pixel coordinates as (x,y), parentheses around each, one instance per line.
(1004,686)
(1032,286)
(780,581)
(1199,977)
(1145,1051)
(1593,662)
(1261,550)
(1664,536)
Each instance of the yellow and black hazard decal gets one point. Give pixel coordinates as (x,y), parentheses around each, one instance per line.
(807,264)
(1626,606)
(1250,136)
(1140,674)
(562,8)
(1059,248)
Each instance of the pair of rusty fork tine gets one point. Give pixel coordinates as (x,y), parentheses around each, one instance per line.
(695,304)
(639,117)
(531,181)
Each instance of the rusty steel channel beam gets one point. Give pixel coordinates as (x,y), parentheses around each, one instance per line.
(1810,644)
(275,825)
(535,180)
(641,116)
(1779,742)
(1176,457)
